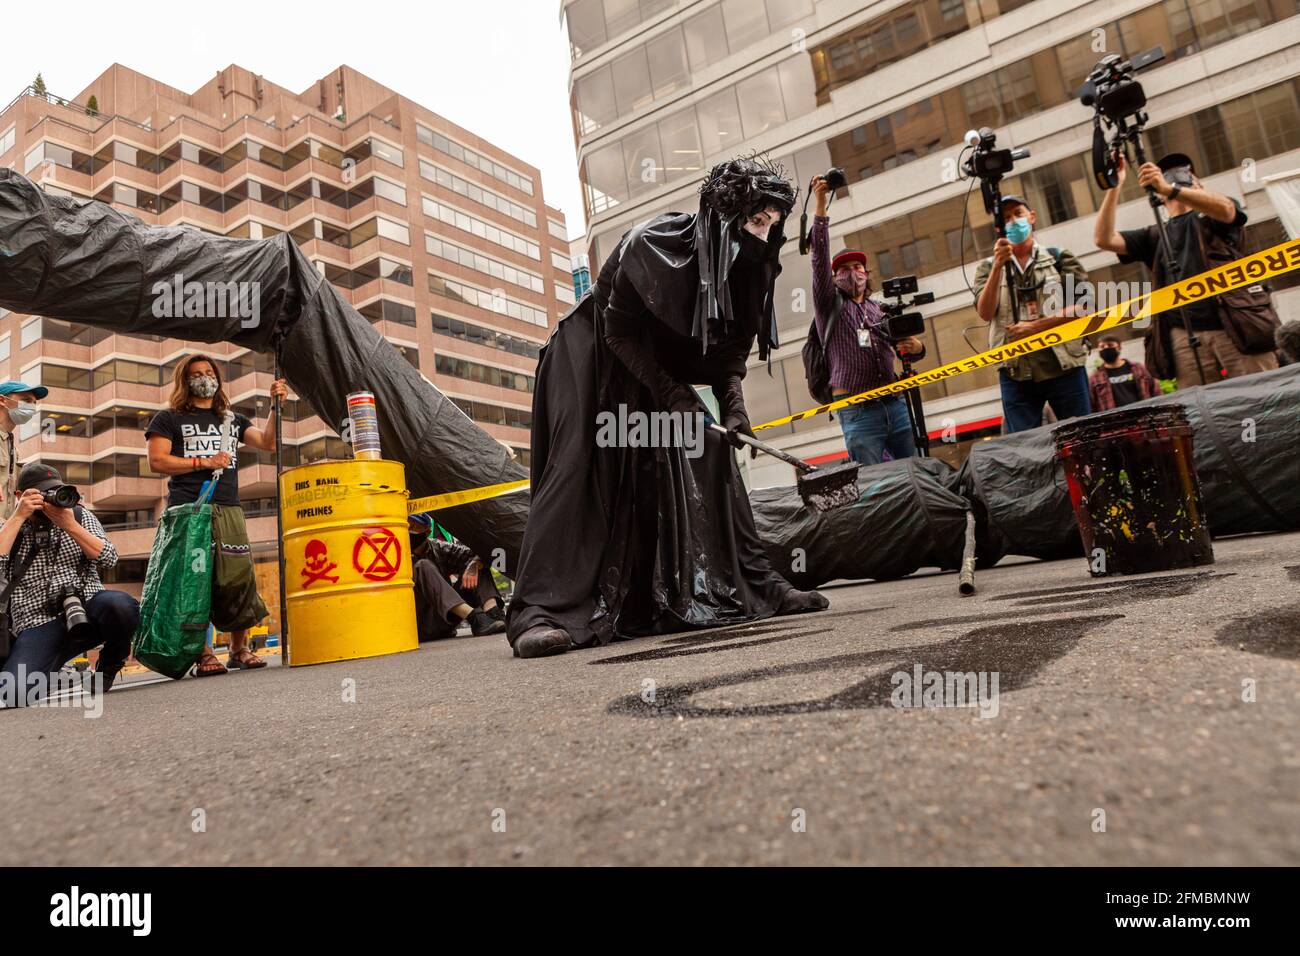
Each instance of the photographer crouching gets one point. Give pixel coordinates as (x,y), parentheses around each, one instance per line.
(859,352)
(52,551)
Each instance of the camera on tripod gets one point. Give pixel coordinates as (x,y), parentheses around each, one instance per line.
(986,161)
(989,164)
(1118,101)
(899,323)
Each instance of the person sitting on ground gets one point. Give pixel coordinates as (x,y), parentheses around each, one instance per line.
(452,584)
(52,551)
(1117,381)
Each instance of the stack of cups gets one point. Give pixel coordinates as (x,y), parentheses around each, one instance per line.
(365,426)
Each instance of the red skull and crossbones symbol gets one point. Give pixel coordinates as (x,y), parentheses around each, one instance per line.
(318,564)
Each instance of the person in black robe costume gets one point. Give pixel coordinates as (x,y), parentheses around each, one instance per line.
(622,542)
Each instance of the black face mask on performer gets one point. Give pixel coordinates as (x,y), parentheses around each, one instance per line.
(1109,355)
(418,541)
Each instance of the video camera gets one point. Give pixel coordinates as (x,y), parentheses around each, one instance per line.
(989,164)
(901,324)
(1118,101)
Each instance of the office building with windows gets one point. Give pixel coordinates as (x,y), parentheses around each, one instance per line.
(663,89)
(439,238)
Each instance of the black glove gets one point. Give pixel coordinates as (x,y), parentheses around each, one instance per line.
(682,399)
(735,418)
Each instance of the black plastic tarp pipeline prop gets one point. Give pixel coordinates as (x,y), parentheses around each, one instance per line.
(87,262)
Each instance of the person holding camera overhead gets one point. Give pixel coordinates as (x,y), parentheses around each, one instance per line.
(1205,229)
(859,352)
(52,550)
(1056,376)
(190,440)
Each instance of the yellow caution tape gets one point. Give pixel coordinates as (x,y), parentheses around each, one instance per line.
(453,498)
(1248,270)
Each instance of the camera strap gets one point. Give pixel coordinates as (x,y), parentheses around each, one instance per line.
(19,569)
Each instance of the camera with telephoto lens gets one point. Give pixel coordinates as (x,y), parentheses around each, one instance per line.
(1118,102)
(64,496)
(67,603)
(900,324)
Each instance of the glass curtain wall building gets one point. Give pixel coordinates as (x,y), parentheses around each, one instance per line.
(662,90)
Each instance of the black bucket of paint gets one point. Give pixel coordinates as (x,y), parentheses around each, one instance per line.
(1134,489)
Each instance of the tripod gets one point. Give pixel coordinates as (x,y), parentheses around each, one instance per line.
(1131,139)
(915,411)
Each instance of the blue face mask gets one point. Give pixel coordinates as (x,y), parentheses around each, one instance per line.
(1018,230)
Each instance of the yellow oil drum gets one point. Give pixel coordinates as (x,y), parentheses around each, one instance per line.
(347,561)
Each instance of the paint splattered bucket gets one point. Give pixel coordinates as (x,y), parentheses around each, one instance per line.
(365,426)
(1134,489)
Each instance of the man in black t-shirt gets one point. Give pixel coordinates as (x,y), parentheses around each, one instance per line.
(196,436)
(1117,381)
(1193,211)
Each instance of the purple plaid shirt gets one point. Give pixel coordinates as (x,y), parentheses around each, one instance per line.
(853,368)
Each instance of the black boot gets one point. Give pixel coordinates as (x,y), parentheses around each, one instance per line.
(542,641)
(497,613)
(482,622)
(801,602)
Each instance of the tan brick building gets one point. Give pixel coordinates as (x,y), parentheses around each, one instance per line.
(439,238)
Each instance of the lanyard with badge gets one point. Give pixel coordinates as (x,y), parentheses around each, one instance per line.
(864,330)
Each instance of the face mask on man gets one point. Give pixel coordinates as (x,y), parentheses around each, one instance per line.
(1018,230)
(203,386)
(418,540)
(22,413)
(1109,355)
(851,282)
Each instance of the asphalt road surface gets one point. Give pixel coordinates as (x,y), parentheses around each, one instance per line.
(1144,720)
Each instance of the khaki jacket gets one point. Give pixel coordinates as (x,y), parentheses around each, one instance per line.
(1042,276)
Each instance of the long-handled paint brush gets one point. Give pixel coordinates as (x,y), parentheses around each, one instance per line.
(822,489)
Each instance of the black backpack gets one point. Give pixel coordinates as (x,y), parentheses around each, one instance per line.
(815,367)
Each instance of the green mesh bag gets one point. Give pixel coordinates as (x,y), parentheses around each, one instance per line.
(177,599)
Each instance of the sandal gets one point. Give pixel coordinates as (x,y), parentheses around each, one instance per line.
(246,659)
(207,665)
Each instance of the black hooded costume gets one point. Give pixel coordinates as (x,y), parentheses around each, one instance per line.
(624,541)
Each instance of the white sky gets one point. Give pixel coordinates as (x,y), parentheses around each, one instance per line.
(496,67)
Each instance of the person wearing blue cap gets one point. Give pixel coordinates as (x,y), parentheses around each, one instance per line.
(17,407)
(440,605)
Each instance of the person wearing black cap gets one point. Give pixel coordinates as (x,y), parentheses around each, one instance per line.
(859,354)
(1045,278)
(17,407)
(48,551)
(1204,229)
